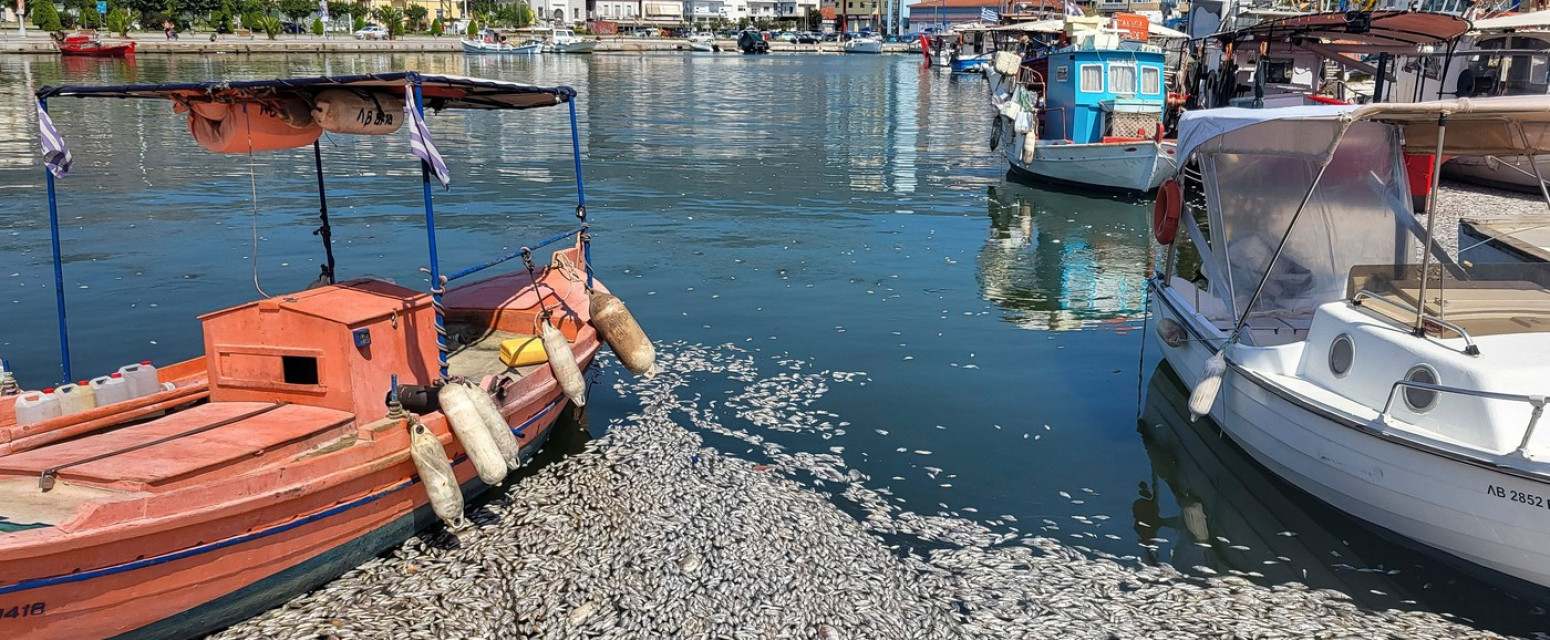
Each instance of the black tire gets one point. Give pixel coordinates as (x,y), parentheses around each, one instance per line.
(995,132)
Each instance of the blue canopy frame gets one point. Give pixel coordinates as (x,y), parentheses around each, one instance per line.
(439,92)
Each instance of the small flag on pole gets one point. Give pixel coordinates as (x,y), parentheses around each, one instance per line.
(56,156)
(1073,9)
(988,15)
(420,143)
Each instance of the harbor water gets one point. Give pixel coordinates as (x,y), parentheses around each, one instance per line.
(822,246)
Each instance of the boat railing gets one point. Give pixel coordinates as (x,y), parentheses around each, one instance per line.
(1469,342)
(1535,401)
(521,252)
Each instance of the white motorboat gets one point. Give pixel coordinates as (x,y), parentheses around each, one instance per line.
(704,42)
(864,44)
(562,40)
(1404,394)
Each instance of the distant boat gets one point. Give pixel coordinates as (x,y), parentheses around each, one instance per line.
(565,41)
(864,44)
(491,43)
(79,44)
(703,41)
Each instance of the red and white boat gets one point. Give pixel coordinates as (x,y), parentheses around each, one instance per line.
(78,44)
(272,463)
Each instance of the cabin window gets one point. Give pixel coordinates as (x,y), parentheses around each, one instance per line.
(1092,78)
(1062,74)
(1151,80)
(1122,79)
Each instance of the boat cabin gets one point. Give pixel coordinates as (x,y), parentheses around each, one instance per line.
(1101,87)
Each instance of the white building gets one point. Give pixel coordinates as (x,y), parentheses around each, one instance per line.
(703,10)
(618,10)
(565,12)
(734,10)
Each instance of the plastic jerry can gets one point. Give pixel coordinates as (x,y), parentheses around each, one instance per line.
(74,398)
(141,379)
(523,351)
(110,389)
(33,407)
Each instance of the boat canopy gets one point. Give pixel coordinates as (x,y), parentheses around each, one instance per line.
(439,91)
(1525,21)
(1058,26)
(1403,28)
(1507,125)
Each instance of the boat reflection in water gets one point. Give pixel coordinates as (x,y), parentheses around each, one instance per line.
(1210,509)
(1059,261)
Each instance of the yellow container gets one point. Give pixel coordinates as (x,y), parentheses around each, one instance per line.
(523,351)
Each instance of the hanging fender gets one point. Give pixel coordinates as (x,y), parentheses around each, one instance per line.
(1165,213)
(995,132)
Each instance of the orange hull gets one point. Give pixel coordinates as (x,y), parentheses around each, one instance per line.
(243,511)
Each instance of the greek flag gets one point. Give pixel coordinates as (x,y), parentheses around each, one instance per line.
(988,15)
(1073,9)
(420,143)
(56,156)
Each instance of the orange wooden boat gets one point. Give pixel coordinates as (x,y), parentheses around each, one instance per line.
(271,464)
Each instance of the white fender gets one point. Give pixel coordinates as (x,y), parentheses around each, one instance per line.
(430,460)
(1204,395)
(457,404)
(500,430)
(619,329)
(562,361)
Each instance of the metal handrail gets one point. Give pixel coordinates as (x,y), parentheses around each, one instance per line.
(1537,401)
(515,254)
(1470,348)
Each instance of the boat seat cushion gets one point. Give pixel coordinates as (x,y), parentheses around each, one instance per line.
(267,438)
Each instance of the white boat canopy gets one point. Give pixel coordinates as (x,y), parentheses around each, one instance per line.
(1057,26)
(1508,125)
(1528,21)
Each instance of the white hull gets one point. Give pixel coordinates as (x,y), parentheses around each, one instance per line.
(1507,172)
(476,47)
(581,46)
(1134,166)
(864,46)
(1368,469)
(703,47)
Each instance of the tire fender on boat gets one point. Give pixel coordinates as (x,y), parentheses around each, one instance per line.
(562,361)
(500,430)
(430,460)
(468,425)
(1165,212)
(622,333)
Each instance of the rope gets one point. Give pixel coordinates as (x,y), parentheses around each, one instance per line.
(1146,316)
(253,185)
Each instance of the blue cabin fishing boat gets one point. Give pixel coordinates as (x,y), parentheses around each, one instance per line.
(1088,110)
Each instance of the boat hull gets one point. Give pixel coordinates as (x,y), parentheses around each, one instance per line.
(863,47)
(107,51)
(1510,172)
(583,46)
(971,64)
(1126,166)
(485,48)
(703,47)
(1425,498)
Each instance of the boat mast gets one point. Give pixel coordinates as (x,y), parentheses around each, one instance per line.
(59,275)
(323,231)
(438,285)
(581,193)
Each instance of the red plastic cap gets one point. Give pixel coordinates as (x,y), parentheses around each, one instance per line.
(145,363)
(83,383)
(115,374)
(48,390)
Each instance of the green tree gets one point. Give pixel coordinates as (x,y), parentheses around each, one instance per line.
(270,25)
(390,19)
(473,29)
(118,21)
(46,16)
(297,10)
(437,27)
(360,23)
(416,15)
(317,26)
(359,10)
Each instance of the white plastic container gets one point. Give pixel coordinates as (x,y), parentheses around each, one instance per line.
(83,387)
(33,407)
(74,399)
(141,379)
(110,389)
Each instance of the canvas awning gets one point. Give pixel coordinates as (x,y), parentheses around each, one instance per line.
(1405,28)
(1057,26)
(1534,20)
(1476,127)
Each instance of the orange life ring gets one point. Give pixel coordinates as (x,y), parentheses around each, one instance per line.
(1165,213)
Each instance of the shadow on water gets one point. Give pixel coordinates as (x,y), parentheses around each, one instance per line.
(1219,509)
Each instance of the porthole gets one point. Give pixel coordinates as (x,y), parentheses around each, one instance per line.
(1342,352)
(1421,400)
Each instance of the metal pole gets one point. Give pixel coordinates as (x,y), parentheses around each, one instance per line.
(437,287)
(324,230)
(59,274)
(1529,158)
(581,191)
(1383,75)
(1431,220)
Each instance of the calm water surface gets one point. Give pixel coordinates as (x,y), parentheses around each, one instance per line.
(841,211)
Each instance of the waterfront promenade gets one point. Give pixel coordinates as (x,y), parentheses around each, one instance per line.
(38,42)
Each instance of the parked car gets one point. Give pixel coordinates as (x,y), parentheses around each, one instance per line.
(808,37)
(786,36)
(372,32)
(831,36)
(293,27)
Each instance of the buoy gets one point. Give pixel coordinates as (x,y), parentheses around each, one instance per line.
(430,460)
(1171,332)
(458,405)
(500,430)
(1204,395)
(619,329)
(562,361)
(1165,212)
